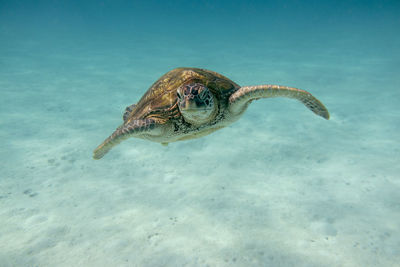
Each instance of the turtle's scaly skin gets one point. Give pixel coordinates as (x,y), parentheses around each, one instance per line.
(248,93)
(167,112)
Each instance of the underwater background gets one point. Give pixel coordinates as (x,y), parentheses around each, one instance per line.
(280,187)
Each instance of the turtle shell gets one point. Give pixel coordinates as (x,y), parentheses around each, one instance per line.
(160,101)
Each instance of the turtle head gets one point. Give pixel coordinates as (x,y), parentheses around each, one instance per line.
(196,103)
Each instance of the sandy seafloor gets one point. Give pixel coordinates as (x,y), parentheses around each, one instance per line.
(281,187)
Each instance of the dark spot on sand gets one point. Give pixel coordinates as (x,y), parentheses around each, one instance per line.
(152,235)
(30,193)
(27,191)
(174,220)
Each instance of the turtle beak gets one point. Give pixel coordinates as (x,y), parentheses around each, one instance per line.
(192,105)
(189,104)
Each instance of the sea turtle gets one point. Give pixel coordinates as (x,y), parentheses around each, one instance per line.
(188,103)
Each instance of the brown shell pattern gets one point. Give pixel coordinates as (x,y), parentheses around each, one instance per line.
(160,101)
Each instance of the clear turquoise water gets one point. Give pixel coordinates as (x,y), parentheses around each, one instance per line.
(281,187)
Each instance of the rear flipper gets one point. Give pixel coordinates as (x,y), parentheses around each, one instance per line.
(128,111)
(242,98)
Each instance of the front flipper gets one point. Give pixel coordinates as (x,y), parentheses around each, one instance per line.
(131,129)
(239,100)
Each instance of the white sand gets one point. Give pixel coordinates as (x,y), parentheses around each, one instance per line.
(281,187)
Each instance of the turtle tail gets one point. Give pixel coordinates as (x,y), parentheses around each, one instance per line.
(243,96)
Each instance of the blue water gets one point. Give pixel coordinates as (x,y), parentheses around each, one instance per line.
(280,187)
